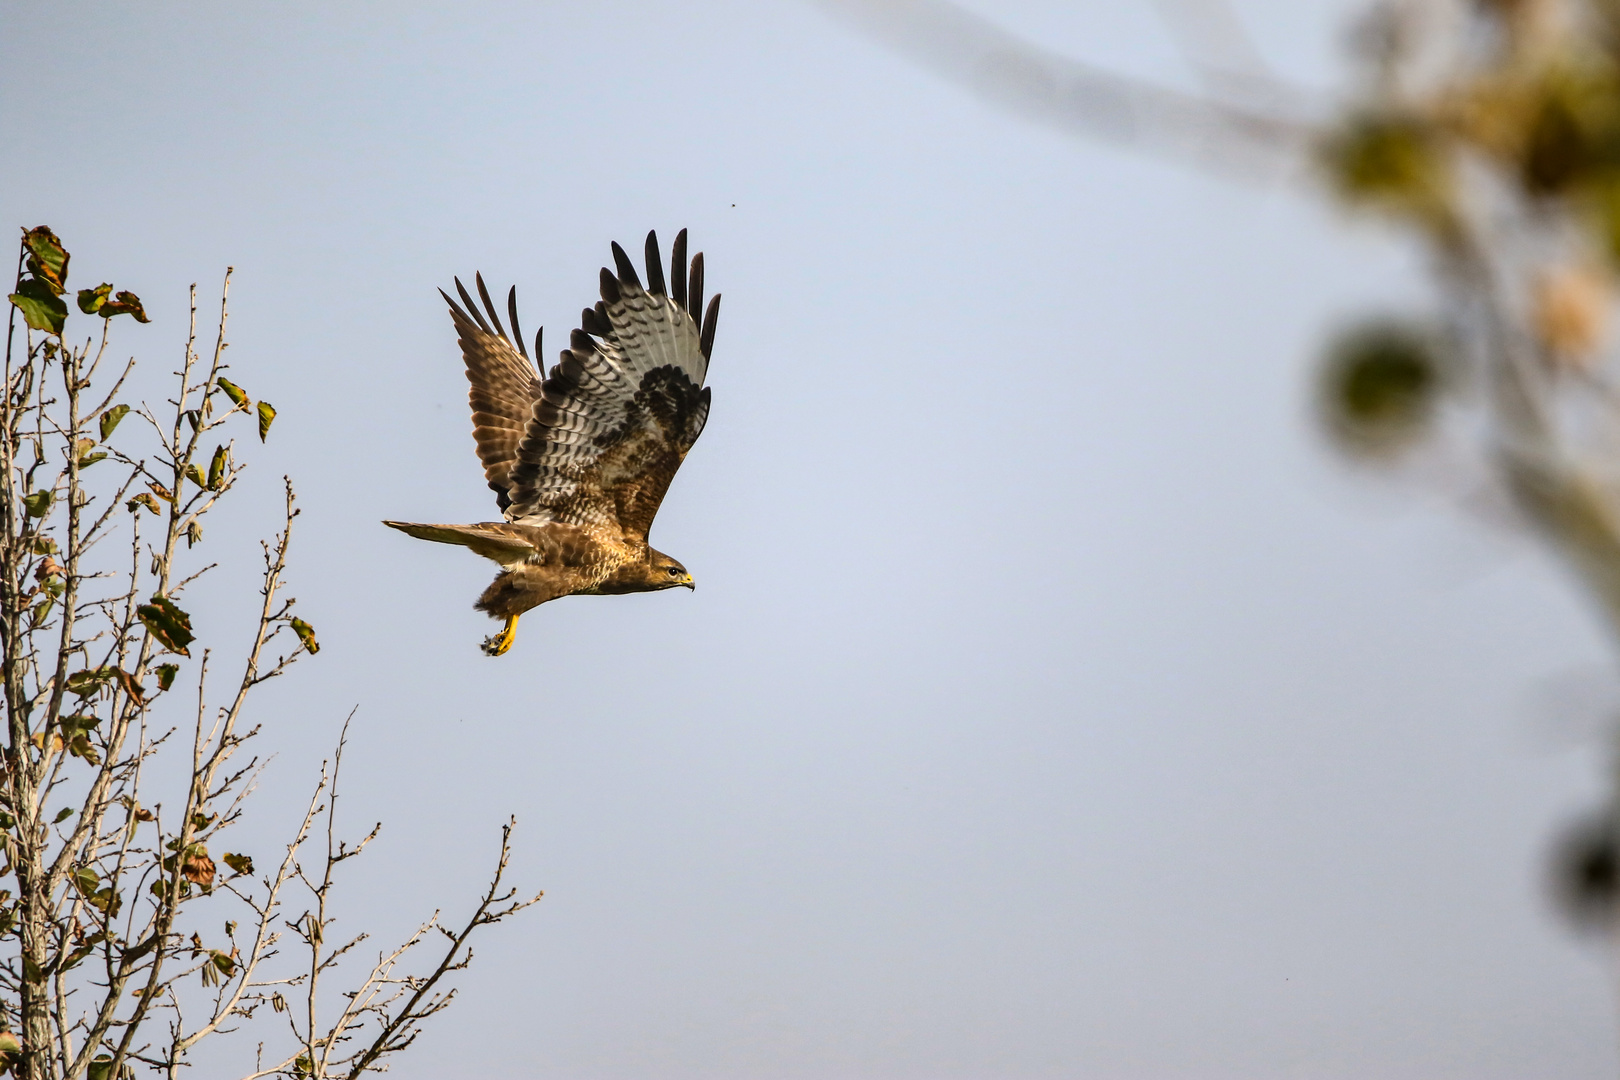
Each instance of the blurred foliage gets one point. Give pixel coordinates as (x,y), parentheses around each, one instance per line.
(1380,385)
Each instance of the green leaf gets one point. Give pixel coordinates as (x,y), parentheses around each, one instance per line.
(165,674)
(42,309)
(216,468)
(39,503)
(90,300)
(32,972)
(267,416)
(242,864)
(44,545)
(167,623)
(86,879)
(194,473)
(223,962)
(237,395)
(9,1043)
(80,746)
(306,634)
(47,260)
(143,499)
(101,1068)
(89,681)
(90,459)
(110,419)
(62,815)
(125,303)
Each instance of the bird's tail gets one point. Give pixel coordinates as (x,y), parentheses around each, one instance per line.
(492,540)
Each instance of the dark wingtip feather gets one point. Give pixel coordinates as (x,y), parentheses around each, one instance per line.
(511,310)
(591,323)
(694,288)
(710,317)
(610,286)
(677,269)
(655,266)
(539,339)
(627,269)
(483,294)
(472,308)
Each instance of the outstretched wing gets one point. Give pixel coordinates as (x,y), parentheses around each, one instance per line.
(616,417)
(505,386)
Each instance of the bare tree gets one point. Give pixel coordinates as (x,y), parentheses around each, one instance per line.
(104,967)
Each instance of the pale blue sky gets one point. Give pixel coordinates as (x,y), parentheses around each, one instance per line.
(1052,702)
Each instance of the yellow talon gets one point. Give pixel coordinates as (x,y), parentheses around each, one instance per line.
(496,644)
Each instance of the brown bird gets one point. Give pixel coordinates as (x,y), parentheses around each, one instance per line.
(579,460)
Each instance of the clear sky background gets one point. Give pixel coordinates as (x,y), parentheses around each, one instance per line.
(1052,701)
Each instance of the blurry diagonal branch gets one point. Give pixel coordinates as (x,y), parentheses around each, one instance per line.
(1227,132)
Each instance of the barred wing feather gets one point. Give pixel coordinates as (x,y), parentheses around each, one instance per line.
(614,419)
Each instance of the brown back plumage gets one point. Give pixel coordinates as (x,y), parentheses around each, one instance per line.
(597,442)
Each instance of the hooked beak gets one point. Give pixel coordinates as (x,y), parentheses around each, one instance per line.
(686,579)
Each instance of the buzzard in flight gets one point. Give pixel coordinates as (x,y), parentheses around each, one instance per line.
(580,459)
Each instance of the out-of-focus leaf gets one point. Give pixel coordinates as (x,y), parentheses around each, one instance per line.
(62,815)
(90,300)
(32,972)
(237,395)
(39,503)
(194,473)
(160,491)
(165,675)
(167,623)
(267,416)
(241,864)
(223,962)
(110,420)
(216,468)
(86,879)
(200,820)
(1380,386)
(1394,162)
(43,545)
(1586,873)
(10,1044)
(194,418)
(306,635)
(193,532)
(41,308)
(143,499)
(143,814)
(47,259)
(90,459)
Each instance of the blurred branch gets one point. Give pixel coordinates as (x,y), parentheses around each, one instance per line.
(1082,100)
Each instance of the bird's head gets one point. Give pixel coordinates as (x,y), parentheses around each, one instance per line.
(666,573)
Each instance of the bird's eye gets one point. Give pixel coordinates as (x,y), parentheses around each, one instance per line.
(674,572)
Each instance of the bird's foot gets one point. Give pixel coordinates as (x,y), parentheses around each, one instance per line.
(496,644)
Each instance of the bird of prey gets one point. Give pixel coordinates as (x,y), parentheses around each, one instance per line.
(580,458)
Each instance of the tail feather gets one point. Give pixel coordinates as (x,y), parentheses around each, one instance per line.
(492,540)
